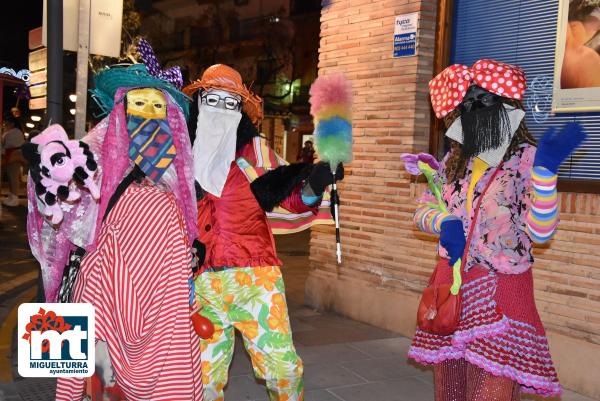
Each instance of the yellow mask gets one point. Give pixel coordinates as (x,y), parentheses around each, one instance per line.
(146,103)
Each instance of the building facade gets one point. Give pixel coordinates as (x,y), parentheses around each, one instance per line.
(386,262)
(274,45)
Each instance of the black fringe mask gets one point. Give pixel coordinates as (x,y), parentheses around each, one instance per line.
(484,129)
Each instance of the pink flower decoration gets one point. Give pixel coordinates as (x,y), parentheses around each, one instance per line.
(411,162)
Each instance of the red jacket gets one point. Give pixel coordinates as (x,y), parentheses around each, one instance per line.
(234,228)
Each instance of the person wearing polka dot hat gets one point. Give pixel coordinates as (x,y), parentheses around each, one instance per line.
(500,193)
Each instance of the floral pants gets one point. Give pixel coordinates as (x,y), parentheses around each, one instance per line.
(251,300)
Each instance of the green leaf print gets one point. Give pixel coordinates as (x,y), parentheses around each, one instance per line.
(262,317)
(300,388)
(290,356)
(223,347)
(255,294)
(237,314)
(202,287)
(279,285)
(274,340)
(207,311)
(228,282)
(277,366)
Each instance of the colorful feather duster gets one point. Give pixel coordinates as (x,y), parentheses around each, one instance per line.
(331,107)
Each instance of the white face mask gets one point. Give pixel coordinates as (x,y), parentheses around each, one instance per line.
(492,157)
(214,146)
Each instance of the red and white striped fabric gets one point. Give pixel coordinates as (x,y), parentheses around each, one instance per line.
(137,280)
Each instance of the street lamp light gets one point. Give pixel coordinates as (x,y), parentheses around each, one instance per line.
(73,98)
(36,118)
(29,125)
(72,111)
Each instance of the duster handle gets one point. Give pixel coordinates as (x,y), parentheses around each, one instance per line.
(336,201)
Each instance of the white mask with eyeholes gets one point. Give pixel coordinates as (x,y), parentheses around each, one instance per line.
(219,115)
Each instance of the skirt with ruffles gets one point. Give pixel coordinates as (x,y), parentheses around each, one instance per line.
(500,330)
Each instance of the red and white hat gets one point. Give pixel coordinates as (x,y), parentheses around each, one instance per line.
(448,88)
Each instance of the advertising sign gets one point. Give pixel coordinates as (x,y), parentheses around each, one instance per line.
(106,17)
(405,35)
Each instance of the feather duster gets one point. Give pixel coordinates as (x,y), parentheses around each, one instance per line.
(331,107)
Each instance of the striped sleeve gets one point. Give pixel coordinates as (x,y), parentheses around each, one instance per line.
(542,218)
(256,159)
(429,220)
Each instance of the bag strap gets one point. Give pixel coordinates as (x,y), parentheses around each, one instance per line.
(134,175)
(476,215)
(471,228)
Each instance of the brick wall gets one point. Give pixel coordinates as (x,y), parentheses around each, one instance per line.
(385,258)
(567,271)
(390,116)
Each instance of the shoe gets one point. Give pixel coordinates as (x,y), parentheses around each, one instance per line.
(11,200)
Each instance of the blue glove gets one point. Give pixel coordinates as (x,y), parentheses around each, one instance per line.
(452,238)
(554,148)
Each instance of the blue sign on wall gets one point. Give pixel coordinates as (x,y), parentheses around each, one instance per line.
(405,35)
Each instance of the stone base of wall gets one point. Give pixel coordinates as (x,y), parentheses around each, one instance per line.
(576,360)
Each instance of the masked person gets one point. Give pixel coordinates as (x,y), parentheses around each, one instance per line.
(239,179)
(501,197)
(137,266)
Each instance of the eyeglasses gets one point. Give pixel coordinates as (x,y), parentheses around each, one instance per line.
(213,100)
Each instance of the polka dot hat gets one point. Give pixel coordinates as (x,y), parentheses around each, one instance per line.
(449,87)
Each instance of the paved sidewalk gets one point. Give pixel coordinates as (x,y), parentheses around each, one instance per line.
(344,360)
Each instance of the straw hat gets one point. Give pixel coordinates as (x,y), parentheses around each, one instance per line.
(132,76)
(223,77)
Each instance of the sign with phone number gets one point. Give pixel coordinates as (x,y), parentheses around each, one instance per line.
(405,35)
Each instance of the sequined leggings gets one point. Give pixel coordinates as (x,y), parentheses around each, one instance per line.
(458,380)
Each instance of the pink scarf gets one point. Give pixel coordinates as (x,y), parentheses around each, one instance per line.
(109,141)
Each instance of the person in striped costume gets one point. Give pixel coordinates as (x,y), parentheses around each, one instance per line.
(137,238)
(239,180)
(500,190)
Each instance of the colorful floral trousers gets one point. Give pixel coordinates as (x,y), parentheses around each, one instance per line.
(251,300)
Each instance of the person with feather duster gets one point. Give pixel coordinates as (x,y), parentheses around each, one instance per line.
(246,192)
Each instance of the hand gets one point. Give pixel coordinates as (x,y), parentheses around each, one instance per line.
(554,148)
(321,176)
(452,238)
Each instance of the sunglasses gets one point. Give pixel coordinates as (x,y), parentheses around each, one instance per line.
(213,100)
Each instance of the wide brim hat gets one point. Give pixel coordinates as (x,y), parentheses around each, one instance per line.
(131,76)
(223,77)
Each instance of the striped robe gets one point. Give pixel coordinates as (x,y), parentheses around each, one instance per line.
(138,282)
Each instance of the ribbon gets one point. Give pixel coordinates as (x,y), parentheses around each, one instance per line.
(172,75)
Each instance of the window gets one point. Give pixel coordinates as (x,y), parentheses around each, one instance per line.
(523,32)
